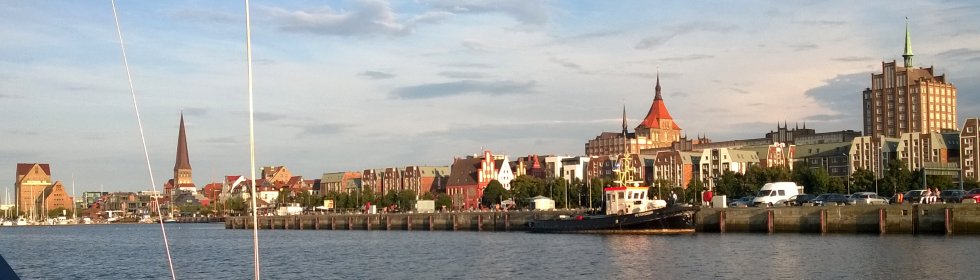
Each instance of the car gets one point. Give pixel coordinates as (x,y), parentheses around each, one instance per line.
(951,196)
(800,199)
(973,194)
(913,196)
(829,199)
(865,198)
(742,202)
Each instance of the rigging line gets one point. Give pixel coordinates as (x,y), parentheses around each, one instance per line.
(251,140)
(146,153)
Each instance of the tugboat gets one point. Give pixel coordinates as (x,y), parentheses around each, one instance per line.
(628,207)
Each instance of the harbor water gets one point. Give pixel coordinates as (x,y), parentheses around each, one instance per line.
(208,251)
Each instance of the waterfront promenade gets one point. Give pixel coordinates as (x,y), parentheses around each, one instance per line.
(954,218)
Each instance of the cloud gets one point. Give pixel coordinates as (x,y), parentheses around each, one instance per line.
(960,54)
(526,12)
(326,128)
(435,90)
(20,132)
(565,63)
(690,57)
(221,140)
(842,96)
(207,16)
(366,17)
(854,58)
(463,75)
(819,22)
(475,46)
(738,90)
(803,47)
(268,117)
(377,75)
(4,95)
(469,65)
(195,111)
(684,29)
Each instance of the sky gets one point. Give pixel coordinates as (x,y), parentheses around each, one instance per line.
(350,85)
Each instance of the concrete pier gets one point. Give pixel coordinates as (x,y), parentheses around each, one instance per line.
(953,218)
(452,221)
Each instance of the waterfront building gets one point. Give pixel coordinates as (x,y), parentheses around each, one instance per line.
(424,179)
(871,153)
(371,180)
(276,174)
(674,167)
(391,181)
(504,173)
(714,162)
(574,168)
(183,175)
(468,178)
(604,167)
(55,197)
(340,182)
(89,198)
(657,130)
(929,150)
(831,157)
(908,99)
(529,165)
(777,154)
(212,191)
(969,152)
(32,180)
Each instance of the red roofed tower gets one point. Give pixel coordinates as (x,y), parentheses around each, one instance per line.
(658,127)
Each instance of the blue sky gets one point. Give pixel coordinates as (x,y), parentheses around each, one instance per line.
(348,85)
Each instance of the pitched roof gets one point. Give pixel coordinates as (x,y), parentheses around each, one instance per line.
(464,172)
(658,111)
(24,168)
(183,161)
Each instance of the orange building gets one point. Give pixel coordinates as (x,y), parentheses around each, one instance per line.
(55,197)
(32,180)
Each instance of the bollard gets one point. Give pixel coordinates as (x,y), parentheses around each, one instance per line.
(408,223)
(455,223)
(823,220)
(882,221)
(368,222)
(479,223)
(949,220)
(431,227)
(721,221)
(769,223)
(350,223)
(506,222)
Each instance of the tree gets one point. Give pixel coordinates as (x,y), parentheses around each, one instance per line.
(970,184)
(405,200)
(862,180)
(444,201)
(695,187)
(730,183)
(524,187)
(836,185)
(235,204)
(897,178)
(493,194)
(56,212)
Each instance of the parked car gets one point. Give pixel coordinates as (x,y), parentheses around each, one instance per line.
(951,196)
(913,196)
(865,198)
(742,202)
(973,194)
(830,199)
(800,199)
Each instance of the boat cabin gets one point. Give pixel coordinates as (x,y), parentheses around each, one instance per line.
(623,200)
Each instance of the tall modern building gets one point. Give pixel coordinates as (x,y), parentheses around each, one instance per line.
(908,99)
(657,130)
(182,167)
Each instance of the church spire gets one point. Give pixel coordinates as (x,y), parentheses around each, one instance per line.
(183,161)
(908,45)
(625,130)
(657,88)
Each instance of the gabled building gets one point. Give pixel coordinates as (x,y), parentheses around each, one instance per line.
(55,197)
(343,182)
(32,180)
(468,178)
(424,179)
(675,167)
(371,180)
(969,152)
(657,130)
(391,181)
(714,162)
(918,150)
(831,157)
(276,174)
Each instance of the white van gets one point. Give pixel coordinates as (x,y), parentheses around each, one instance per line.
(776,193)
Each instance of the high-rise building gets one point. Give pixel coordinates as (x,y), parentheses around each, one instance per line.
(908,99)
(657,130)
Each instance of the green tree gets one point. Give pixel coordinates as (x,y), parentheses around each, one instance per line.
(444,201)
(57,212)
(862,180)
(405,200)
(836,185)
(897,178)
(493,194)
(695,187)
(525,187)
(235,205)
(970,184)
(730,184)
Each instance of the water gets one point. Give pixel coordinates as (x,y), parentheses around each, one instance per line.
(208,251)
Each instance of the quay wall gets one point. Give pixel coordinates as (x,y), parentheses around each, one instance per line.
(450,221)
(897,218)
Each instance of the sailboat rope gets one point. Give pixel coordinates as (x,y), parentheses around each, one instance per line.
(251,141)
(146,153)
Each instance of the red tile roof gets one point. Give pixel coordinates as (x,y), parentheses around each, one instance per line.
(24,168)
(658,111)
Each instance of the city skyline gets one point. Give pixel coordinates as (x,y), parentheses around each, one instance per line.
(349,85)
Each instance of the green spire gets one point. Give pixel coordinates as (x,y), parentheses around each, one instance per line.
(908,45)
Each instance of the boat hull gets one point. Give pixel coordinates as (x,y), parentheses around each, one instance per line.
(669,218)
